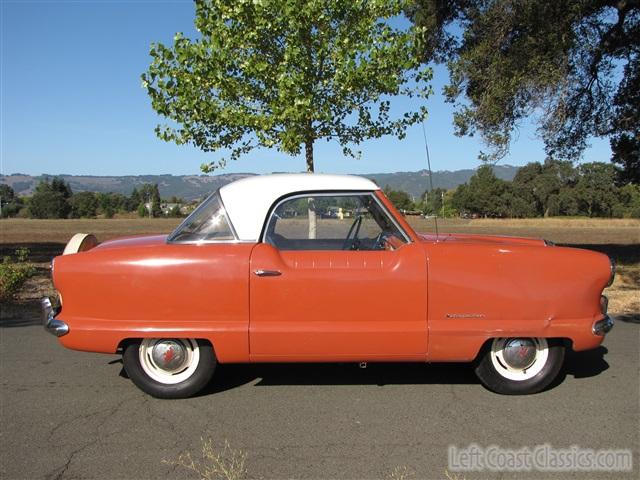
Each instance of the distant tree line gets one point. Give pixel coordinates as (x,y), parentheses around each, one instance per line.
(552,188)
(55,199)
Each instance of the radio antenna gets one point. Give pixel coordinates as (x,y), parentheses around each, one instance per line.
(426,147)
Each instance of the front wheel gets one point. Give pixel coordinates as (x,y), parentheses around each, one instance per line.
(520,366)
(169,367)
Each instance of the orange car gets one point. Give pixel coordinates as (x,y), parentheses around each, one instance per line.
(257,273)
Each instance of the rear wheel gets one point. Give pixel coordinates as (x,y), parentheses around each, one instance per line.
(519,366)
(169,367)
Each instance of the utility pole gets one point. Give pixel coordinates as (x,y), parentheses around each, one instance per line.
(442,201)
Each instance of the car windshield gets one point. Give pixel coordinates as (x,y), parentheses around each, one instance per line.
(207,223)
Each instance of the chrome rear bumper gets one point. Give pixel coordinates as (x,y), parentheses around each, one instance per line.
(601,327)
(51,325)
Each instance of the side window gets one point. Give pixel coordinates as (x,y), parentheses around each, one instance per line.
(332,222)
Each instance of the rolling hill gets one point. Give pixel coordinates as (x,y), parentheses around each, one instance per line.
(192,187)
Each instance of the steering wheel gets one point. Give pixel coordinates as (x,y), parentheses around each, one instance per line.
(355,229)
(379,242)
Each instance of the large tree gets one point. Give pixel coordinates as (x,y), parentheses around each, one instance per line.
(286,73)
(541,185)
(596,190)
(83,205)
(483,195)
(625,142)
(561,61)
(51,200)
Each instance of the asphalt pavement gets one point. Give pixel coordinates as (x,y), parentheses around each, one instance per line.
(69,414)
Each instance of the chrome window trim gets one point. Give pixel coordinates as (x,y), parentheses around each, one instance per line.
(354,193)
(226,215)
(200,242)
(205,242)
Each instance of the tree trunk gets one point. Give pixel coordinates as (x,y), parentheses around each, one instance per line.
(308,148)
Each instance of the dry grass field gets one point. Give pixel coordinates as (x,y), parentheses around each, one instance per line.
(619,238)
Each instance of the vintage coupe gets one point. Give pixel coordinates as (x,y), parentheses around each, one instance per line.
(259,273)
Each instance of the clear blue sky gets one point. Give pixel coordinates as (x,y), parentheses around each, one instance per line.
(72,101)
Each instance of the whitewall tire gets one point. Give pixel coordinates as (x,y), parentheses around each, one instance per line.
(169,367)
(515,366)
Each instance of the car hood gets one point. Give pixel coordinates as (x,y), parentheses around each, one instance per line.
(135,241)
(480,239)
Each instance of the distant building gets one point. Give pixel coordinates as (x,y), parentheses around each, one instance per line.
(167,207)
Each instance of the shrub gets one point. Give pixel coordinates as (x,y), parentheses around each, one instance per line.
(13,273)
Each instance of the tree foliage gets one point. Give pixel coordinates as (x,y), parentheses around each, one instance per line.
(284,74)
(540,185)
(483,195)
(83,205)
(10,203)
(149,196)
(595,190)
(562,61)
(50,199)
(553,188)
(625,143)
(401,200)
(433,201)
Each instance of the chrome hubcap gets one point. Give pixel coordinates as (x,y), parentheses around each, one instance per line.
(519,353)
(169,360)
(169,355)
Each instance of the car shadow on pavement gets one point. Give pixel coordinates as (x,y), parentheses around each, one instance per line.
(20,315)
(628,317)
(585,364)
(577,364)
(306,374)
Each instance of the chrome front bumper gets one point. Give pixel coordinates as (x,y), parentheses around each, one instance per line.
(601,327)
(51,325)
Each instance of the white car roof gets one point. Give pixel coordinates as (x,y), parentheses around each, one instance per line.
(247,201)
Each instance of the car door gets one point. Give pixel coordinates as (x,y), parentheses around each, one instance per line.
(325,287)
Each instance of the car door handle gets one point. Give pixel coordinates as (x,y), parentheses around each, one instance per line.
(267,273)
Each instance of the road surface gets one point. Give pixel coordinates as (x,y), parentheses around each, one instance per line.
(69,414)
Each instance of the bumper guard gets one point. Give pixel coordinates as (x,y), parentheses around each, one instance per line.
(601,327)
(50,323)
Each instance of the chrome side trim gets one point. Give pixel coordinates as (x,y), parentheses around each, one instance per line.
(601,327)
(50,323)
